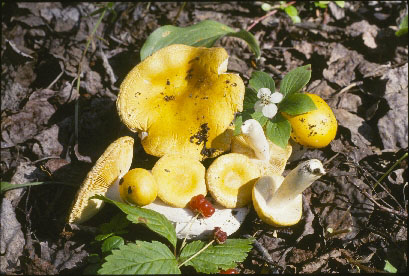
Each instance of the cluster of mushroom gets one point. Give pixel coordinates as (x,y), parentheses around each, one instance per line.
(182,103)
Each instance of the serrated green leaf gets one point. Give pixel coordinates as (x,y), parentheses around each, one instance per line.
(153,220)
(296,104)
(141,258)
(261,80)
(204,33)
(112,243)
(295,80)
(117,224)
(259,117)
(216,257)
(403,27)
(291,11)
(340,4)
(278,130)
(238,121)
(389,267)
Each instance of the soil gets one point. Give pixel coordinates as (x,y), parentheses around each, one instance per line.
(351,221)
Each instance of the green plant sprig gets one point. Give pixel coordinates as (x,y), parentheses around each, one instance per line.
(277,129)
(154,257)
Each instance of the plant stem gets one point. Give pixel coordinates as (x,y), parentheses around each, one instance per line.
(79,71)
(268,14)
(187,233)
(390,170)
(197,253)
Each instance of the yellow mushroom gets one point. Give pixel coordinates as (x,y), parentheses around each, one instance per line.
(179,178)
(181,101)
(138,187)
(278,200)
(315,129)
(230,179)
(110,167)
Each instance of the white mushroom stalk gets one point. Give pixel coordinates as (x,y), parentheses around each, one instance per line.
(278,200)
(253,133)
(296,182)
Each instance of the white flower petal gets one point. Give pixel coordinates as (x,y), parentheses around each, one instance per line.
(269,110)
(276,97)
(258,106)
(262,92)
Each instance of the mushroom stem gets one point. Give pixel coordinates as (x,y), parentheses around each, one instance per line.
(113,191)
(296,182)
(253,133)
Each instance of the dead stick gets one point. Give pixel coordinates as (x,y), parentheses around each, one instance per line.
(267,15)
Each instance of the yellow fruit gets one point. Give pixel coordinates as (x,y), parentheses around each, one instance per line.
(138,186)
(315,129)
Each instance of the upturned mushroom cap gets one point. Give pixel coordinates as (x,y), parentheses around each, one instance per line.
(179,178)
(230,179)
(278,156)
(112,165)
(278,200)
(228,219)
(183,100)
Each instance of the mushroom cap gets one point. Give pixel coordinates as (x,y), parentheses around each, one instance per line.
(179,178)
(182,98)
(230,179)
(284,215)
(316,128)
(113,164)
(278,155)
(228,219)
(138,186)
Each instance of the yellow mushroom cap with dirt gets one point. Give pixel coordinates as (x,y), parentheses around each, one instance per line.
(109,168)
(182,101)
(278,200)
(316,128)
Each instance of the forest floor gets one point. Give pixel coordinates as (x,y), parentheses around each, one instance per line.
(352,222)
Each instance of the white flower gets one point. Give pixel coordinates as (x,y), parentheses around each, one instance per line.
(267,102)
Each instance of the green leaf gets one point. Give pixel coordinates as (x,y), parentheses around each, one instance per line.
(403,27)
(296,19)
(291,11)
(216,257)
(91,269)
(238,121)
(259,117)
(261,80)
(321,4)
(266,7)
(340,4)
(153,220)
(295,80)
(296,104)
(278,130)
(389,267)
(5,186)
(141,258)
(250,98)
(102,237)
(204,33)
(112,243)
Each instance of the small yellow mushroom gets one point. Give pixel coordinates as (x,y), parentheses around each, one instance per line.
(138,187)
(179,178)
(315,129)
(230,179)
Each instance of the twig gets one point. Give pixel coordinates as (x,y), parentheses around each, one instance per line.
(386,209)
(56,79)
(256,21)
(390,170)
(179,11)
(352,85)
(107,67)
